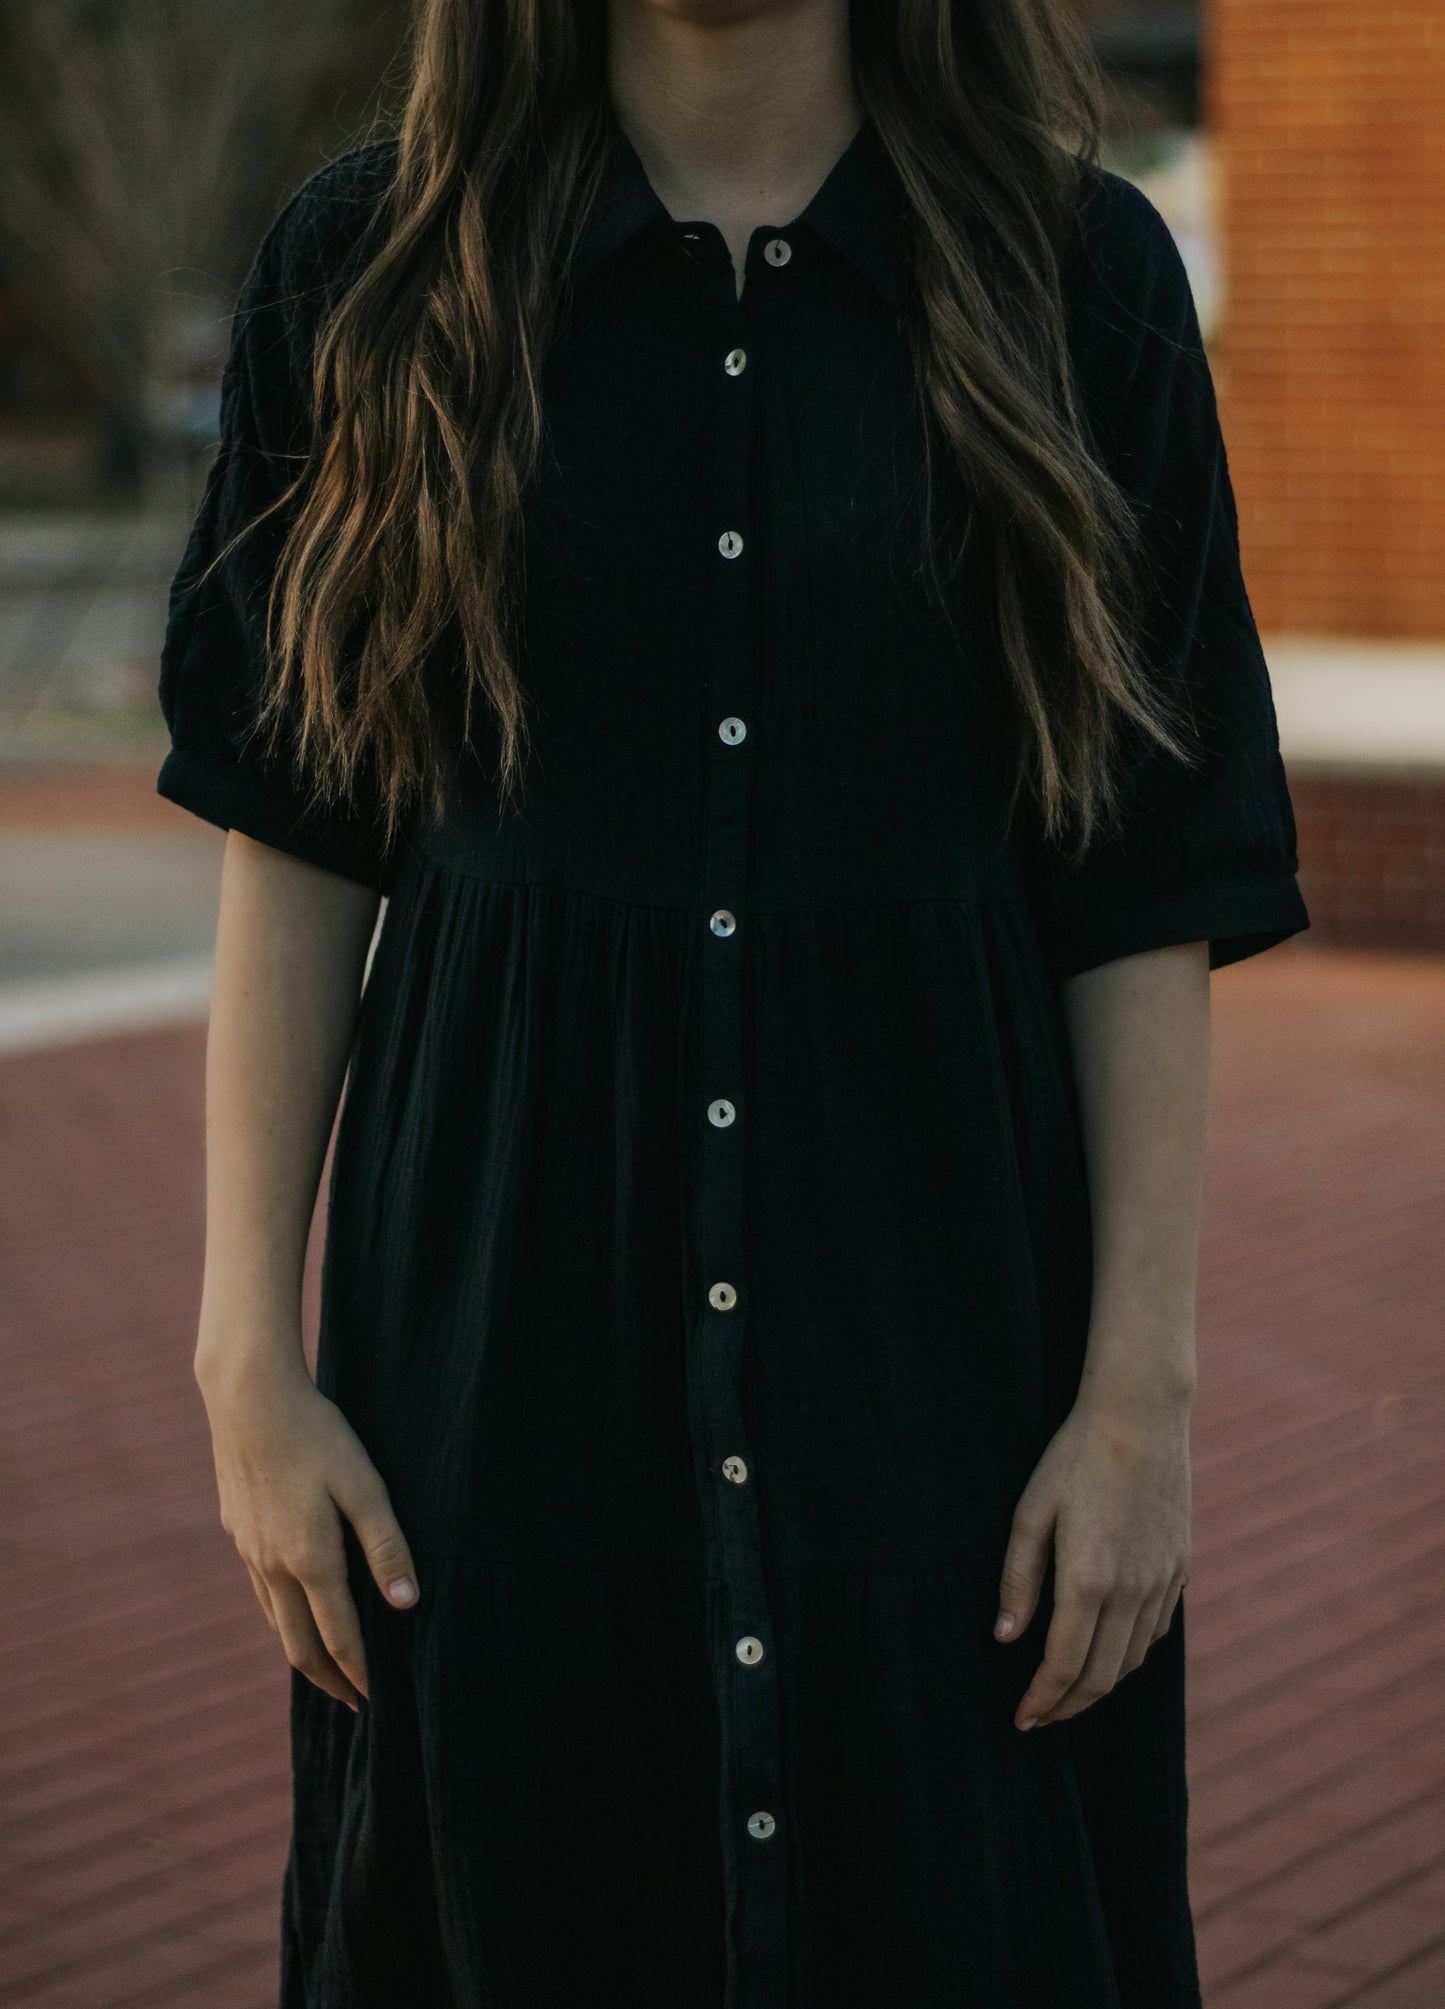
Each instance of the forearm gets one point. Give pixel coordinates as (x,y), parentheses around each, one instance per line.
(291,945)
(1139,1028)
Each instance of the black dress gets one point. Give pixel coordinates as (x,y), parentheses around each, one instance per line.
(708,1260)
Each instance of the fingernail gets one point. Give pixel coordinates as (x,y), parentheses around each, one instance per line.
(403,1590)
(1004,1624)
(1028,1723)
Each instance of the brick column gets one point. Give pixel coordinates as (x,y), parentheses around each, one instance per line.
(1329,120)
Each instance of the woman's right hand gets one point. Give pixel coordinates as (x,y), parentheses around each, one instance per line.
(289,1467)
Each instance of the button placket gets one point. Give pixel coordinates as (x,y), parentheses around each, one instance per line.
(744,1660)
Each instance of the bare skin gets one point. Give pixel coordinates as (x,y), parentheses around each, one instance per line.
(737,109)
(291,947)
(1111,1494)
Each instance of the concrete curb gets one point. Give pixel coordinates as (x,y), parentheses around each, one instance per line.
(57,1011)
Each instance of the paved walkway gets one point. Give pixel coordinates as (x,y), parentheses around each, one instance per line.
(142,1698)
(82,613)
(99,875)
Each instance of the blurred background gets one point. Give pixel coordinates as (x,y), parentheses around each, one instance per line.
(1297,151)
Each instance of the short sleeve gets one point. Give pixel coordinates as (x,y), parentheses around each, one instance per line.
(1206,851)
(213,654)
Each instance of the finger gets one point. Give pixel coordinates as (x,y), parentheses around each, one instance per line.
(1066,1647)
(1169,1606)
(321,1573)
(1146,1631)
(1100,1670)
(334,1610)
(1024,1565)
(263,1595)
(368,1508)
(305,1648)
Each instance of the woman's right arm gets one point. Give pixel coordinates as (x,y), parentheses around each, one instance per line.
(291,947)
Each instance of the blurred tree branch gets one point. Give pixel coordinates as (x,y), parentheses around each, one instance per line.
(140,146)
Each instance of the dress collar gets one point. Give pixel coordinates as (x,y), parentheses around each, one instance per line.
(860,210)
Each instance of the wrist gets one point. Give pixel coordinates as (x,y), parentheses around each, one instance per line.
(232,1356)
(1148,1406)
(1153,1376)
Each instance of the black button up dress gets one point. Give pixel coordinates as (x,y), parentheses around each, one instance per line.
(708,1257)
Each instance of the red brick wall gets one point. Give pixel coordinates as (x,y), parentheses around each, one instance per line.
(1329,119)
(1372,858)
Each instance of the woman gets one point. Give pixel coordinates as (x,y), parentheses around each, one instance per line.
(723,521)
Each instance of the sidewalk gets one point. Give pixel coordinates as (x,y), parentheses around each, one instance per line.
(108,899)
(142,1697)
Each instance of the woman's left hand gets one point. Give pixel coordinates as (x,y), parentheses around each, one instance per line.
(1111,1494)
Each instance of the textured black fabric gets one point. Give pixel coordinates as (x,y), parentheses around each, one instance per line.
(576,1107)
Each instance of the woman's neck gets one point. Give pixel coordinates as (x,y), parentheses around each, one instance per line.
(737,111)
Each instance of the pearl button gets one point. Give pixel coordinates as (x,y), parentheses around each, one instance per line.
(749,1650)
(722,1297)
(760,1826)
(734,1469)
(735,362)
(732,730)
(777,251)
(730,544)
(721,1112)
(723,922)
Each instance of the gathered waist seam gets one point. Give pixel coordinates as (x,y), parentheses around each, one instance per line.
(999,896)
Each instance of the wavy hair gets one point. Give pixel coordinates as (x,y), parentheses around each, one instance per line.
(406,510)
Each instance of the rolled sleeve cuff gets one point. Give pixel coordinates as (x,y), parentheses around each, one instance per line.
(1237,918)
(260,806)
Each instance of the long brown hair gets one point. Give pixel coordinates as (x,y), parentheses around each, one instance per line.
(428,366)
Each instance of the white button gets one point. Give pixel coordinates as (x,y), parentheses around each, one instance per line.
(721,1112)
(777,251)
(735,362)
(749,1650)
(734,1469)
(761,1826)
(723,922)
(730,544)
(722,1297)
(732,730)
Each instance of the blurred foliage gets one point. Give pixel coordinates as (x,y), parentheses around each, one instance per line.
(141,147)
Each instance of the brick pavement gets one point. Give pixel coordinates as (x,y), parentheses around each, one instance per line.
(142,1753)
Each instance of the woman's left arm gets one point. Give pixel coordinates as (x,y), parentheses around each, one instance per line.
(1111,1494)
